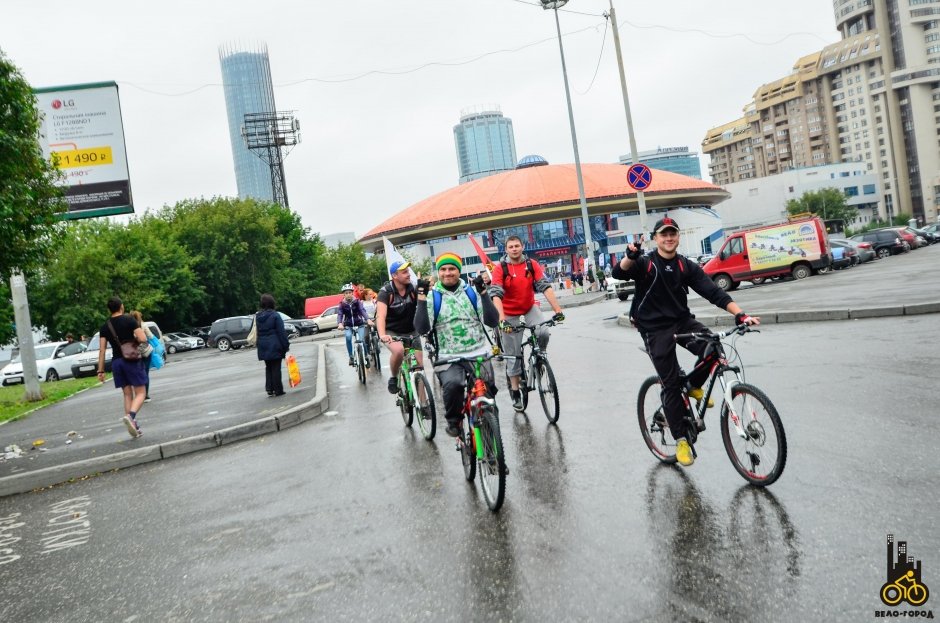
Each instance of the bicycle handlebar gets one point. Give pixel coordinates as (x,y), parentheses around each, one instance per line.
(523,326)
(740,329)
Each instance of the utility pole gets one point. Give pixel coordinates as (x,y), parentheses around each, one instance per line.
(24,337)
(640,199)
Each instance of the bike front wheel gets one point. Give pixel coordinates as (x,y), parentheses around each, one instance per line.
(375,353)
(652,419)
(468,455)
(425,411)
(760,454)
(404,400)
(548,390)
(493,463)
(361,364)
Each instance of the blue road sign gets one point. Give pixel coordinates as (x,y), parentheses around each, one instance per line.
(639,176)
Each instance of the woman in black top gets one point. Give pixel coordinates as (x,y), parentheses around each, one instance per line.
(272,345)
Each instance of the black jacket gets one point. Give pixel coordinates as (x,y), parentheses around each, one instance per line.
(272,338)
(662,288)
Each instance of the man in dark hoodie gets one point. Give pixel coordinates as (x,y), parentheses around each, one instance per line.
(660,310)
(272,344)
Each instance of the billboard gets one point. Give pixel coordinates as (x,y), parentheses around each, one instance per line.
(773,247)
(81,126)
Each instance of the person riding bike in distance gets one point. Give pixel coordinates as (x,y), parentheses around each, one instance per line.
(352,313)
(516,279)
(395,316)
(454,313)
(660,310)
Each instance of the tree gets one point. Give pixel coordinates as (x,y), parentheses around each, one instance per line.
(30,200)
(829,203)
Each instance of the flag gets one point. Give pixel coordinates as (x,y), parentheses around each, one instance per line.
(392,255)
(484,258)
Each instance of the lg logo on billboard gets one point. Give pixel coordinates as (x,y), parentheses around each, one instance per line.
(57,104)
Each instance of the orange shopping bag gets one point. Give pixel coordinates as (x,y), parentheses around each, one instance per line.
(293,371)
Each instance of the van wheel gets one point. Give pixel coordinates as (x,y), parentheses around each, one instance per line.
(723,281)
(224,344)
(623,296)
(801,271)
(824,270)
(758,280)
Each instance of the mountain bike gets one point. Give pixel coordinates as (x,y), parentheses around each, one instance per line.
(375,352)
(536,373)
(359,354)
(414,392)
(751,429)
(482,444)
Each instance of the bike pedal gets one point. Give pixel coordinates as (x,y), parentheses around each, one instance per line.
(700,424)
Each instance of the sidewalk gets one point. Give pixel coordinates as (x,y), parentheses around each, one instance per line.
(194,408)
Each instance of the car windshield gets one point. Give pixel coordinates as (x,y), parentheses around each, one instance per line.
(42,352)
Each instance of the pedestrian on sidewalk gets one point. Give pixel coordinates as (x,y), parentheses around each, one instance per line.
(129,375)
(272,345)
(146,351)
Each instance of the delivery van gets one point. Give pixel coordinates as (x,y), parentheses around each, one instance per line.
(316,305)
(798,248)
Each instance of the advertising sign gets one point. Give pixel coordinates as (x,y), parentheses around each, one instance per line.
(82,133)
(778,246)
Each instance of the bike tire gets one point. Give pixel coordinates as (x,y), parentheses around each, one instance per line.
(375,353)
(758,458)
(361,364)
(404,400)
(493,464)
(652,420)
(468,455)
(548,389)
(425,410)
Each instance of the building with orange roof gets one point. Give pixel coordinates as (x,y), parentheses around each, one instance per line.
(539,203)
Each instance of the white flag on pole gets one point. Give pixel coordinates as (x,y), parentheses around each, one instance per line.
(392,255)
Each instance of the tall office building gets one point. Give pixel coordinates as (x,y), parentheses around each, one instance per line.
(246,78)
(485,143)
(873,97)
(676,159)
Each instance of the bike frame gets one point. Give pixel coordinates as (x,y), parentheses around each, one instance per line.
(717,375)
(409,367)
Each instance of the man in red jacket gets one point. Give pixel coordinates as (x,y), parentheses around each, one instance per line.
(516,279)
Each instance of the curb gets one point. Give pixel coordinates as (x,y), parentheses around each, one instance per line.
(780,317)
(49,476)
(594,299)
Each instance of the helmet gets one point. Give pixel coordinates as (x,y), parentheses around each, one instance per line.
(348,288)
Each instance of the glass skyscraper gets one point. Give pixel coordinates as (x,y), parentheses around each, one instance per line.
(675,159)
(246,78)
(485,144)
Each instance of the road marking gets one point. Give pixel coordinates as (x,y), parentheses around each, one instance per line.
(69,525)
(7,525)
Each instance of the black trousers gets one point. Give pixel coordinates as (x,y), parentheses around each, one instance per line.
(272,376)
(454,380)
(661,347)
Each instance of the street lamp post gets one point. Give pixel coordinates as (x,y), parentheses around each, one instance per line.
(585,223)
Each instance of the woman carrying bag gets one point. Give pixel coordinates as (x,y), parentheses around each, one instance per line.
(272,344)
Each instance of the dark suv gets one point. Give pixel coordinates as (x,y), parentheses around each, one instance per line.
(885,242)
(227,333)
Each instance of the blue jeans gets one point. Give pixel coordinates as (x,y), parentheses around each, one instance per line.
(362,336)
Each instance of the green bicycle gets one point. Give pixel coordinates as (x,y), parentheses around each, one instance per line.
(414,391)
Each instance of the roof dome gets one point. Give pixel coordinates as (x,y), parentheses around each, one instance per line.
(531,160)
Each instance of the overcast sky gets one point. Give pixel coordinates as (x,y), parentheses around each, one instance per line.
(375,144)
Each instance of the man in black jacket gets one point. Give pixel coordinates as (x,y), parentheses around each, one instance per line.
(660,310)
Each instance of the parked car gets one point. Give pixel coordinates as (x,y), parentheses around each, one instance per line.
(931,236)
(177,342)
(292,326)
(304,326)
(932,229)
(200,332)
(53,362)
(866,252)
(885,242)
(622,289)
(87,363)
(909,236)
(328,319)
(228,333)
(843,254)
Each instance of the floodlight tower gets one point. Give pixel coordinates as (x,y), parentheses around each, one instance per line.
(265,133)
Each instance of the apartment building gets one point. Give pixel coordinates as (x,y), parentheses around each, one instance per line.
(872,98)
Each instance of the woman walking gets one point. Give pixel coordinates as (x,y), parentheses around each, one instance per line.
(146,351)
(272,344)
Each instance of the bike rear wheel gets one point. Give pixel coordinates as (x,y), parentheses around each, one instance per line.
(761,454)
(548,390)
(493,463)
(404,399)
(652,420)
(361,363)
(425,411)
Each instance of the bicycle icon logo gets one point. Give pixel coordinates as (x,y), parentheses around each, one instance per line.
(906,585)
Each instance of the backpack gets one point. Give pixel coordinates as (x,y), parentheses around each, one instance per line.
(393,292)
(529,271)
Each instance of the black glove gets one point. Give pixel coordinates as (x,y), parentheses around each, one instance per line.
(559,317)
(634,252)
(423,286)
(741,318)
(478,284)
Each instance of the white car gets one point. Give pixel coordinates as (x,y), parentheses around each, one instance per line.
(86,364)
(53,362)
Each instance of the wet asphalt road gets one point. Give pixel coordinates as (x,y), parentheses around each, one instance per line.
(353,517)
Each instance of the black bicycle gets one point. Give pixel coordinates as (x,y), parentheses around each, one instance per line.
(375,352)
(536,372)
(751,429)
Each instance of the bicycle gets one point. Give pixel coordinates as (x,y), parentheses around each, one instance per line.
(915,593)
(482,443)
(375,354)
(359,354)
(536,366)
(751,429)
(412,385)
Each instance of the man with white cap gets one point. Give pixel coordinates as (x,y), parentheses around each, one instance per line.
(395,316)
